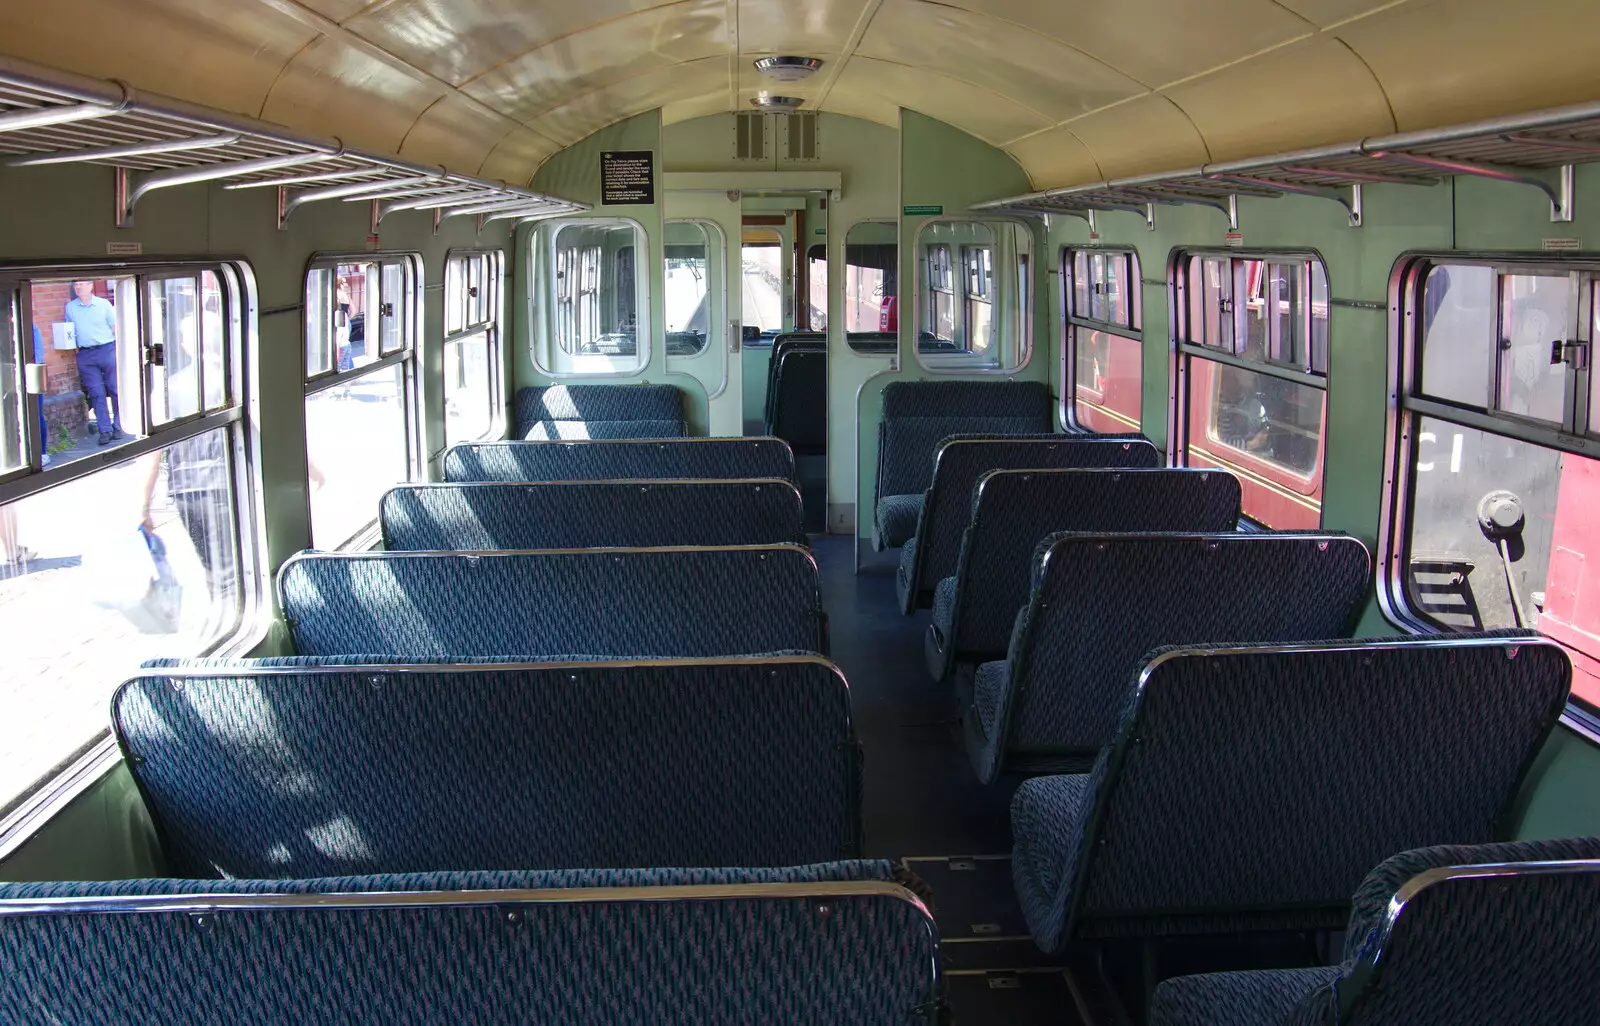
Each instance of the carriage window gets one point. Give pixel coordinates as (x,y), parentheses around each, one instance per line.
(1254,346)
(1493,504)
(115,549)
(360,419)
(694,291)
(591,301)
(1103,357)
(871,292)
(817,287)
(974,314)
(762,254)
(472,391)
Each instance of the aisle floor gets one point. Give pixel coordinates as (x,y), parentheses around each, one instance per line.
(923,804)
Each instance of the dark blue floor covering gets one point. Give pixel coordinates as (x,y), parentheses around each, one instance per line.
(923,801)
(921,795)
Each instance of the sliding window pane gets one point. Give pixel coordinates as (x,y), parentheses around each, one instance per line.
(468,384)
(1458,334)
(394,296)
(356,449)
(13,396)
(320,317)
(172,352)
(1537,311)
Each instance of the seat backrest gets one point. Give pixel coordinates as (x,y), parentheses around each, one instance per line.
(801,945)
(800,406)
(1100,603)
(599,411)
(918,415)
(626,603)
(620,460)
(1492,933)
(1261,783)
(590,514)
(1014,510)
(418,767)
(960,461)
(805,341)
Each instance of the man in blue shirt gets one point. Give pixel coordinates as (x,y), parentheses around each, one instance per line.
(94,321)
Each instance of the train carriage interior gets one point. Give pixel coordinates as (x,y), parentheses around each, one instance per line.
(799,511)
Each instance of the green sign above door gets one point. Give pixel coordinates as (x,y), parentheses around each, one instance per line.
(923,211)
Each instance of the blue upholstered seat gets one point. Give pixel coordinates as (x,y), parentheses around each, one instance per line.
(1100,602)
(590,514)
(599,411)
(780,344)
(1447,936)
(258,771)
(624,460)
(627,603)
(843,943)
(946,509)
(896,518)
(1014,510)
(1252,788)
(918,415)
(799,398)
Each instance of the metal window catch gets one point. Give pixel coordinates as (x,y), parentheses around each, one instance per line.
(1573,354)
(155,354)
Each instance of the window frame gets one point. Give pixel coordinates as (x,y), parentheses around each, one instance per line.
(543,299)
(1229,352)
(850,284)
(491,265)
(716,290)
(941,278)
(405,358)
(1408,403)
(1004,297)
(82,767)
(1074,322)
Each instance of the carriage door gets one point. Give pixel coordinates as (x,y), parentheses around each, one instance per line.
(702,301)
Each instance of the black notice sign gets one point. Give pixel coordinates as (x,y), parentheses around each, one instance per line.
(627,176)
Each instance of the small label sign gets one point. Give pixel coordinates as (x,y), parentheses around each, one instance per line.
(1094,238)
(1234,240)
(1561,245)
(822,231)
(923,210)
(124,249)
(627,177)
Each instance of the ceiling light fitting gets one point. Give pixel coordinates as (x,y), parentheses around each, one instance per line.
(788,69)
(767,101)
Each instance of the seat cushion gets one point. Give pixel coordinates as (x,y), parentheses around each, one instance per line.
(1257,998)
(905,579)
(944,607)
(1044,828)
(897,519)
(988,686)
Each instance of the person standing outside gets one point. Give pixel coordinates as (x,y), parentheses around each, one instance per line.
(94,322)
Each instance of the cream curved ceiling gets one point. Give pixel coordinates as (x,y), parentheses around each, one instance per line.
(1075,90)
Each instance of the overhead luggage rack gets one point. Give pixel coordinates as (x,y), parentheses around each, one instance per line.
(1538,150)
(155,142)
